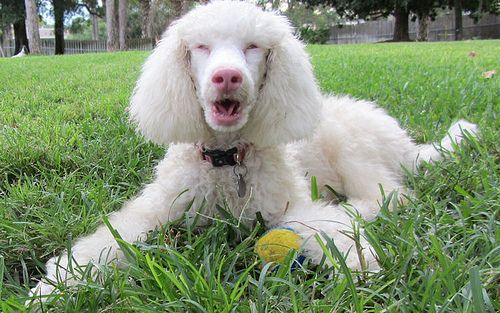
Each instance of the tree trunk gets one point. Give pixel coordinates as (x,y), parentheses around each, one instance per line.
(423,27)
(111,24)
(401,32)
(20,36)
(6,40)
(59,25)
(146,18)
(458,19)
(186,6)
(95,27)
(94,20)
(179,8)
(32,26)
(122,23)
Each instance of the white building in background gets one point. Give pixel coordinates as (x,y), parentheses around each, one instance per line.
(47,32)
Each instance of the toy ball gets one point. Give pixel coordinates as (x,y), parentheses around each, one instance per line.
(275,244)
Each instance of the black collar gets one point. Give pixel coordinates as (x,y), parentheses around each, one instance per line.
(220,158)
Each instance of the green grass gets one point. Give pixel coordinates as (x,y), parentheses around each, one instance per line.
(68,157)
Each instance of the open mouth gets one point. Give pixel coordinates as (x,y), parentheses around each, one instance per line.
(226,112)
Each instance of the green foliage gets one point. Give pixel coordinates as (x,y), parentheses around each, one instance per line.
(369,9)
(11,11)
(478,8)
(314,35)
(134,21)
(68,156)
(83,30)
(78,25)
(319,16)
(312,24)
(354,9)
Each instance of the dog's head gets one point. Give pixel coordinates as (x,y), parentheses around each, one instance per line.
(227,67)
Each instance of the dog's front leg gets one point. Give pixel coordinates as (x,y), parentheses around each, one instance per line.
(163,200)
(314,221)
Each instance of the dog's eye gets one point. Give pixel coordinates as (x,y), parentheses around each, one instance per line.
(203,48)
(251,46)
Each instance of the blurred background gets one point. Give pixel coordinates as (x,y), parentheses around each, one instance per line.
(85,26)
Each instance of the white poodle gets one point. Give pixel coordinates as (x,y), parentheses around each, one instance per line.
(231,91)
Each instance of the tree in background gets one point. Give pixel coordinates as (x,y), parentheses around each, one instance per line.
(155,15)
(313,24)
(122,23)
(373,9)
(141,18)
(401,9)
(59,7)
(32,26)
(82,29)
(6,35)
(63,9)
(423,27)
(177,8)
(401,14)
(96,12)
(477,9)
(12,12)
(146,18)
(181,7)
(111,26)
(163,12)
(116,24)
(424,11)
(78,25)
(457,4)
(84,26)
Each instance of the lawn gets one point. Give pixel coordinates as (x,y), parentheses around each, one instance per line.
(68,157)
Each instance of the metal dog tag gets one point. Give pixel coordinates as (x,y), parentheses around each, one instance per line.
(242,186)
(240,170)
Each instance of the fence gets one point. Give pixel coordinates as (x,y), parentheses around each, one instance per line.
(47,46)
(442,29)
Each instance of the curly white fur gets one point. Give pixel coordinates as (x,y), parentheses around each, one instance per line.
(293,132)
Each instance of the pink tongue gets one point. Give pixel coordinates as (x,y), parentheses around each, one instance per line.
(226,110)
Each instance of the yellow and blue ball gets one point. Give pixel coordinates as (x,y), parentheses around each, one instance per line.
(276,243)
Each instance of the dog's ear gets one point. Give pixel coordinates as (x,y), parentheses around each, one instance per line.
(164,105)
(289,104)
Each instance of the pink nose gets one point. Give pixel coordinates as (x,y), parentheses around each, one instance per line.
(227,79)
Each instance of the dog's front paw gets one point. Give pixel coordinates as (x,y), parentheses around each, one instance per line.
(40,293)
(461,127)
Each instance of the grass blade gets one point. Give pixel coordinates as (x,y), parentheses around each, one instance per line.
(314,189)
(477,290)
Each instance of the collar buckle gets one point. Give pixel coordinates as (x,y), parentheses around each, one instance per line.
(219,158)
